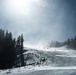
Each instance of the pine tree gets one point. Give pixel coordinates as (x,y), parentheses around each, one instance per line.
(19,49)
(22,56)
(7,50)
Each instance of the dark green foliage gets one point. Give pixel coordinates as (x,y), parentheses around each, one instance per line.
(71,43)
(7,50)
(22,56)
(10,50)
(19,48)
(55,44)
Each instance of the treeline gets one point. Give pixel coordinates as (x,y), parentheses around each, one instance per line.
(55,44)
(11,50)
(70,43)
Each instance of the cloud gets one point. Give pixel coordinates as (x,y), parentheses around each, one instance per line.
(42,3)
(48,20)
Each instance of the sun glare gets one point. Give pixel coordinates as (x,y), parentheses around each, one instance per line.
(20,6)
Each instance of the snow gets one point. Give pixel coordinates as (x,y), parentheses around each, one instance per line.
(72,56)
(39,70)
(53,57)
(40,48)
(58,61)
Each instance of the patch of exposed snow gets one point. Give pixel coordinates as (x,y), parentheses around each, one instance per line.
(39,70)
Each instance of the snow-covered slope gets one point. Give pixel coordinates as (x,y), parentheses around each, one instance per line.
(40,70)
(51,61)
(51,57)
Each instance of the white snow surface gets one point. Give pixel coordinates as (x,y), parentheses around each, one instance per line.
(53,57)
(39,70)
(59,61)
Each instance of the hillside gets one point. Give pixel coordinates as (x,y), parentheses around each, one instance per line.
(50,57)
(51,61)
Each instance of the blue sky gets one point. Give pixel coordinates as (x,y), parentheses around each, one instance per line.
(41,22)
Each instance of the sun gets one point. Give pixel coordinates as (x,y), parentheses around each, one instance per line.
(20,6)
